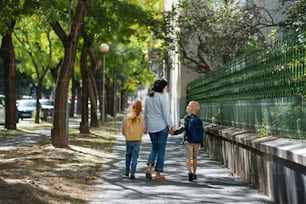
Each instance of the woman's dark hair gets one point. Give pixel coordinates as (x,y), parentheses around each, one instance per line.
(158,86)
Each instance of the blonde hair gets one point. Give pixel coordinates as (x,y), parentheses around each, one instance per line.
(196,105)
(136,110)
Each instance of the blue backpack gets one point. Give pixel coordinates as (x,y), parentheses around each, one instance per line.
(195,130)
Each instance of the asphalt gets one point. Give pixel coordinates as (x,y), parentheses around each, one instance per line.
(215,183)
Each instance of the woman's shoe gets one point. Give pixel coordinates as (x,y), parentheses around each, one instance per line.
(160,177)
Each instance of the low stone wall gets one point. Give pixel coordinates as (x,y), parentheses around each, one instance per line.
(275,166)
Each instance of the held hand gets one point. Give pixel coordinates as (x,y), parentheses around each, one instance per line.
(145,131)
(171,131)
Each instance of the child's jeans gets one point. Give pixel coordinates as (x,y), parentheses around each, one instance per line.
(131,156)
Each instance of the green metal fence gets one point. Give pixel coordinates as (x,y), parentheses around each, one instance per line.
(263,90)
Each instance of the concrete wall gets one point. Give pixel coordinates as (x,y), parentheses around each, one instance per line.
(187,75)
(275,166)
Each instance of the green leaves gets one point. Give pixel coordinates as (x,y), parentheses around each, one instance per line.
(213,32)
(37,49)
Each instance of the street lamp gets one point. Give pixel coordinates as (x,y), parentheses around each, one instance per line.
(104,48)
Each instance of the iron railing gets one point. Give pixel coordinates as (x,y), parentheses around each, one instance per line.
(264,89)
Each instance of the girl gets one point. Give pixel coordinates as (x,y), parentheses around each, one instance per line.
(132,129)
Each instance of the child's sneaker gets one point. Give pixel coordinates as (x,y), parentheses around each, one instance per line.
(190,176)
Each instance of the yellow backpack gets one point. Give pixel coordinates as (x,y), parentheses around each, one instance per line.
(133,131)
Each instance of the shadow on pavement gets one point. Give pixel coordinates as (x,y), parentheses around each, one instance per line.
(24,139)
(214,183)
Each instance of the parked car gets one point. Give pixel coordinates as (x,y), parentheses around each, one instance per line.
(47,107)
(26,108)
(2,109)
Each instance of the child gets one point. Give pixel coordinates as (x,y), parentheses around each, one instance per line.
(193,138)
(132,128)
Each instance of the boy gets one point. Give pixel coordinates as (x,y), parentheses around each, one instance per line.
(193,138)
(132,128)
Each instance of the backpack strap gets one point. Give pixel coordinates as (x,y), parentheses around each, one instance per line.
(186,121)
(186,124)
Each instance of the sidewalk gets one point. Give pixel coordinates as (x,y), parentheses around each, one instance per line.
(214,183)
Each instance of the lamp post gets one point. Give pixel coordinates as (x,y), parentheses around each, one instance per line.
(104,48)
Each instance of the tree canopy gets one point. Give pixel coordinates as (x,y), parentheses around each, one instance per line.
(211,33)
(47,42)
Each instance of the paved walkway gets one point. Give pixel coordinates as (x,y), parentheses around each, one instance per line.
(214,184)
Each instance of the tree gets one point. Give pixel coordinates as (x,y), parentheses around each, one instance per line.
(52,12)
(295,16)
(117,22)
(9,64)
(86,86)
(10,13)
(134,23)
(59,131)
(38,50)
(211,33)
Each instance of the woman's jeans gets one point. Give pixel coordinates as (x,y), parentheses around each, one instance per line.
(131,156)
(158,140)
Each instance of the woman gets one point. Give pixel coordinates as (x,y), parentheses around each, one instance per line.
(158,123)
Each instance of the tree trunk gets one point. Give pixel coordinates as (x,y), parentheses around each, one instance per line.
(93,90)
(79,100)
(59,131)
(73,94)
(100,92)
(9,64)
(108,96)
(38,106)
(94,122)
(84,127)
(123,99)
(73,106)
(114,96)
